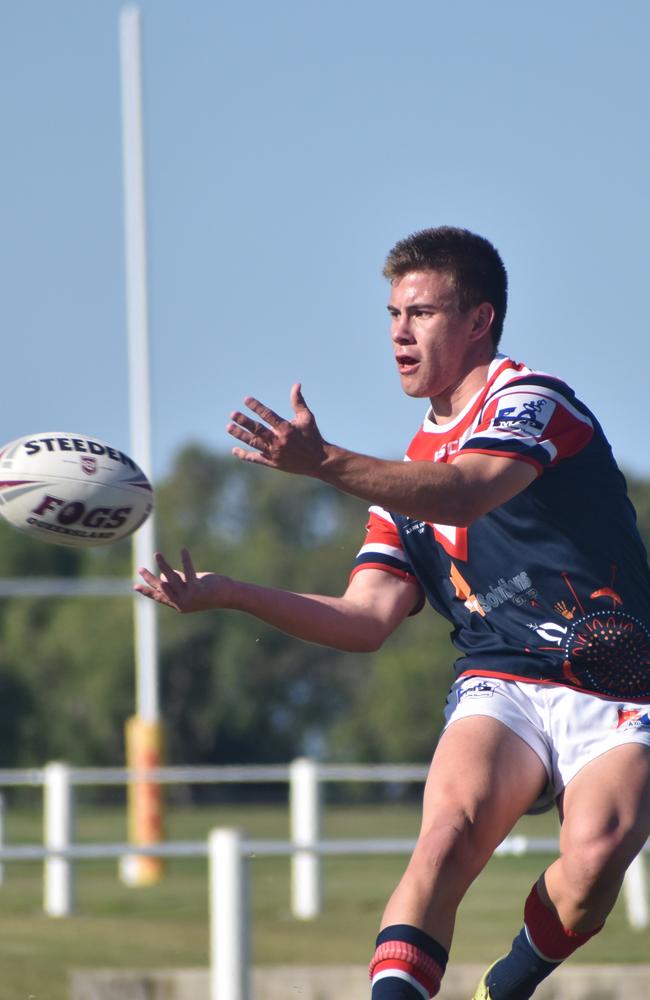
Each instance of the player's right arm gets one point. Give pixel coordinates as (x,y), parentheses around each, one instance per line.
(373,605)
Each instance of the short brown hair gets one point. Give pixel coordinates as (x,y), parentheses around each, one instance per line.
(474,265)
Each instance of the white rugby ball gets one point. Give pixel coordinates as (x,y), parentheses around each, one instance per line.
(71,489)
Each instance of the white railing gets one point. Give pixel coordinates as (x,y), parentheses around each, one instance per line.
(229,852)
(305,846)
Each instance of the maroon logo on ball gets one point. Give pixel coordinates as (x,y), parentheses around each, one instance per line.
(89,465)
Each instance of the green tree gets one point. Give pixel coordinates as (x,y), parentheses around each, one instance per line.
(232,689)
(22,555)
(397,715)
(70,662)
(235,689)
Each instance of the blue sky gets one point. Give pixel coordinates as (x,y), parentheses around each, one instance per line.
(288,146)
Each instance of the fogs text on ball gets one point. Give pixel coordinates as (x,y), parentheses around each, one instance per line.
(72,490)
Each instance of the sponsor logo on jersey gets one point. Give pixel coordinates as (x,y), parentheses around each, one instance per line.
(419,526)
(518,589)
(524,414)
(550,631)
(446,451)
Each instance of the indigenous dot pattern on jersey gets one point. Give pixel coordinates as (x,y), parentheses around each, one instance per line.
(553,586)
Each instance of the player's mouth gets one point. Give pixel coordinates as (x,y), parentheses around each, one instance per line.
(406,364)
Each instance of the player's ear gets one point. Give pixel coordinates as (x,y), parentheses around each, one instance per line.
(483,319)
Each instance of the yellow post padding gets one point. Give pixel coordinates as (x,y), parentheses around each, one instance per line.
(145,812)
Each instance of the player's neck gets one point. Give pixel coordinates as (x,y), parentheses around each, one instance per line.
(448,405)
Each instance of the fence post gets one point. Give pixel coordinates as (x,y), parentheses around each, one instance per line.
(229,916)
(636,894)
(3,807)
(58,815)
(305,806)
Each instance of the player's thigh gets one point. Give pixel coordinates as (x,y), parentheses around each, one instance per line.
(607,804)
(483,771)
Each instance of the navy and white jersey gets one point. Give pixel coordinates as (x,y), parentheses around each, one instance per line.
(552,587)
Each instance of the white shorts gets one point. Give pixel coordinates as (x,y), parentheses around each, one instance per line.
(565,728)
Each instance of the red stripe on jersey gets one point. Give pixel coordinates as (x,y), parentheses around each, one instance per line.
(563,430)
(382,532)
(401,573)
(452,539)
(441,444)
(517,455)
(567,434)
(502,675)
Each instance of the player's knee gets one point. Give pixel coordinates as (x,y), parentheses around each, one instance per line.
(450,846)
(598,863)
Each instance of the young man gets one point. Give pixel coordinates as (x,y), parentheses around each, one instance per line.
(511,518)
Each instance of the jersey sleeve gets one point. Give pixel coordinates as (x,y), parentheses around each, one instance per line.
(536,421)
(382,548)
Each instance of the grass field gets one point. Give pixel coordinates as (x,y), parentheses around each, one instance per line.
(167,925)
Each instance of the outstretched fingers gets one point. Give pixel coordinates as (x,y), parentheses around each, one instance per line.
(155,588)
(255,457)
(170,587)
(188,566)
(255,434)
(289,445)
(244,422)
(168,574)
(298,400)
(249,431)
(265,412)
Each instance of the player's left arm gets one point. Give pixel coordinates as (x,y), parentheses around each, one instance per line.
(455,493)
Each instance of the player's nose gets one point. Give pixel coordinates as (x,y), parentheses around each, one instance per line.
(400,330)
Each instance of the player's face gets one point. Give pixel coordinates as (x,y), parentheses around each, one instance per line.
(433,340)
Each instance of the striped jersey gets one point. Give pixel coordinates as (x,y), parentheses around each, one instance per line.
(553,586)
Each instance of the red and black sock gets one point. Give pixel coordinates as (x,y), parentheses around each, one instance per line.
(541,945)
(407,964)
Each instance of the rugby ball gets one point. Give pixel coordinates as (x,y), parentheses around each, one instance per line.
(72,490)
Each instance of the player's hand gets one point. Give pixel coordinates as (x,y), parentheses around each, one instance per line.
(185,591)
(290,445)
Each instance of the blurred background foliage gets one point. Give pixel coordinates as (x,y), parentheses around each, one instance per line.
(232,689)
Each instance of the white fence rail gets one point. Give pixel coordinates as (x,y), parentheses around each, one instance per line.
(305,846)
(229,852)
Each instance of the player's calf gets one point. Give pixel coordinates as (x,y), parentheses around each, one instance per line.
(407,965)
(541,945)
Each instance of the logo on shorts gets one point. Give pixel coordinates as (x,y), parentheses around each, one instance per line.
(482,689)
(633,718)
